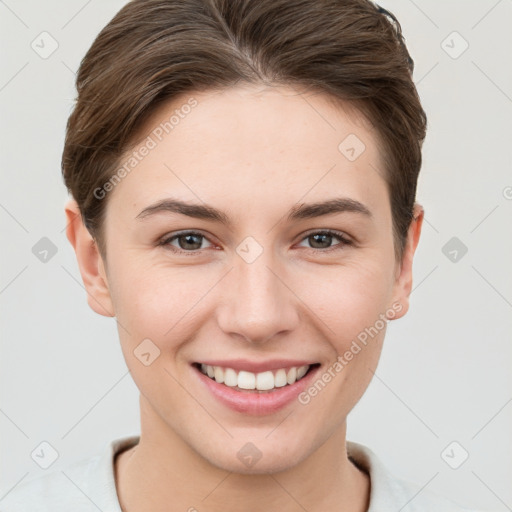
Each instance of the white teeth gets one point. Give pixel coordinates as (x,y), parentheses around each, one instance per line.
(246,380)
(280,378)
(291,377)
(301,372)
(263,381)
(230,377)
(218,374)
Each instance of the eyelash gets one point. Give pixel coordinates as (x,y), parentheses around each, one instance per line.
(344,241)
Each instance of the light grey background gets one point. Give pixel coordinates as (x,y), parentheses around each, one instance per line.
(445,372)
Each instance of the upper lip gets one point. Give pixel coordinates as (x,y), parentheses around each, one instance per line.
(256,366)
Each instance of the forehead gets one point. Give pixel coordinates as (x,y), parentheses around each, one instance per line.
(247,144)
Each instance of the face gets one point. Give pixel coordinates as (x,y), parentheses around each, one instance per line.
(215,255)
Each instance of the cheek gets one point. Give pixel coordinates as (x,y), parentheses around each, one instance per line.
(157,302)
(352,307)
(348,299)
(157,308)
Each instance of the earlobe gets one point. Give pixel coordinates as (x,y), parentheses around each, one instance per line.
(403,283)
(89,261)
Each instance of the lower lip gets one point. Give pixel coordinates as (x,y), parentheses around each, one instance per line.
(252,402)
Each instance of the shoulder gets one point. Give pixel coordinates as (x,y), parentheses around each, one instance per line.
(415,498)
(56,491)
(389,493)
(85,486)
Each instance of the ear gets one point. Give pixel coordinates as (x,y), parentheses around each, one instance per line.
(403,282)
(89,261)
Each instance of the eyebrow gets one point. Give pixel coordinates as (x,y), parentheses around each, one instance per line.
(301,211)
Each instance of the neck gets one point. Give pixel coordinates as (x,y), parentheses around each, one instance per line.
(163,469)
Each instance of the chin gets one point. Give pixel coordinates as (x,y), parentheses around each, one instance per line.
(259,457)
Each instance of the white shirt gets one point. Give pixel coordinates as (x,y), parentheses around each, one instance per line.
(89,486)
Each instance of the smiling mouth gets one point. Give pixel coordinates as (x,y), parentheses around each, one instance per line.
(263,382)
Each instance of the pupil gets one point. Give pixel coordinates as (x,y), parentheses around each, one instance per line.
(315,237)
(197,245)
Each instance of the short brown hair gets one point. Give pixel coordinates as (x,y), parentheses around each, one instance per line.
(154,50)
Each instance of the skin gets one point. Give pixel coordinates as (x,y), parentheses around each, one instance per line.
(253,152)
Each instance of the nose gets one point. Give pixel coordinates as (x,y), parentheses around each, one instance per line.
(257,302)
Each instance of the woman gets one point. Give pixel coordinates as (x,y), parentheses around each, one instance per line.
(243,177)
